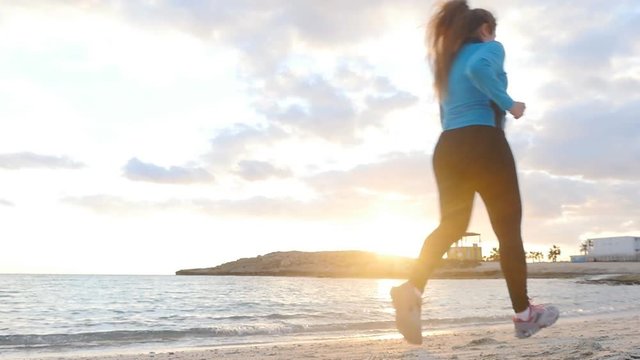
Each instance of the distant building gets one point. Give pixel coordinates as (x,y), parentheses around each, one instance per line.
(463,252)
(619,248)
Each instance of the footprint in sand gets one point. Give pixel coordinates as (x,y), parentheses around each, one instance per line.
(478,342)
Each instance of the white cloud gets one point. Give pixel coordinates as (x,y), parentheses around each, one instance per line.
(140,171)
(253,170)
(239,141)
(396,179)
(4,202)
(321,108)
(108,204)
(405,174)
(29,160)
(306,112)
(593,139)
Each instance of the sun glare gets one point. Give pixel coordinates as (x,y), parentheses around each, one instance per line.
(396,234)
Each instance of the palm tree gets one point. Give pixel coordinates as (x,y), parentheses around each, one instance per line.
(586,246)
(535,256)
(532,255)
(495,255)
(554,252)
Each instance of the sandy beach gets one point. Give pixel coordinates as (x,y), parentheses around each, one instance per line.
(587,338)
(545,270)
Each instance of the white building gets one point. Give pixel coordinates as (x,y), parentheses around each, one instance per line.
(619,248)
(461,250)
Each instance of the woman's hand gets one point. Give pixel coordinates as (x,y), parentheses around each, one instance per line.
(517,110)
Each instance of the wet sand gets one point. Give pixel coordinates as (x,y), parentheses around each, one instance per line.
(582,338)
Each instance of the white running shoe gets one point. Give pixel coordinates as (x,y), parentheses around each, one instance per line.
(408,304)
(541,316)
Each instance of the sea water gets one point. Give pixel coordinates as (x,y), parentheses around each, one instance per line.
(70,314)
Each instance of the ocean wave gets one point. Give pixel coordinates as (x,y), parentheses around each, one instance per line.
(274,316)
(126,337)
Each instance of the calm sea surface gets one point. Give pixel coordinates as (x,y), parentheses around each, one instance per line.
(64,314)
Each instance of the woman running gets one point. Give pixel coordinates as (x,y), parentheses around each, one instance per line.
(472,156)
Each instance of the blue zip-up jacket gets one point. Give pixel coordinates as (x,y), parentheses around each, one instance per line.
(476,78)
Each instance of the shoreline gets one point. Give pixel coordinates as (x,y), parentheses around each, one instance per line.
(454,336)
(627,272)
(589,337)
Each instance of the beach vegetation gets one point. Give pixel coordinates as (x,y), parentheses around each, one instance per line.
(554,252)
(586,246)
(494,255)
(535,256)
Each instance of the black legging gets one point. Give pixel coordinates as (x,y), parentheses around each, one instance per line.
(466,161)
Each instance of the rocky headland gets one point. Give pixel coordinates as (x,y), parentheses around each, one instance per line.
(362,264)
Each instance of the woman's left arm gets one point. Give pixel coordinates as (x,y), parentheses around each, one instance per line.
(483,69)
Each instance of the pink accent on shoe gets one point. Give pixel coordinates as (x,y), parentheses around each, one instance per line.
(540,316)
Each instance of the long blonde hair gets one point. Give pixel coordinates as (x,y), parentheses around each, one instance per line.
(452,24)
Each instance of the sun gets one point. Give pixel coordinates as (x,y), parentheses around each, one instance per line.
(397,233)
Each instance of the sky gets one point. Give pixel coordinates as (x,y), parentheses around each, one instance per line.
(144,137)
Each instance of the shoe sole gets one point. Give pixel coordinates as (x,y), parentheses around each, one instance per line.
(407,332)
(535,328)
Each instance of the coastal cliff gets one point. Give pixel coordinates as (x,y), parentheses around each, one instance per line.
(316,264)
(362,264)
(359,264)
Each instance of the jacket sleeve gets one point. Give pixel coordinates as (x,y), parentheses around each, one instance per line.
(483,69)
